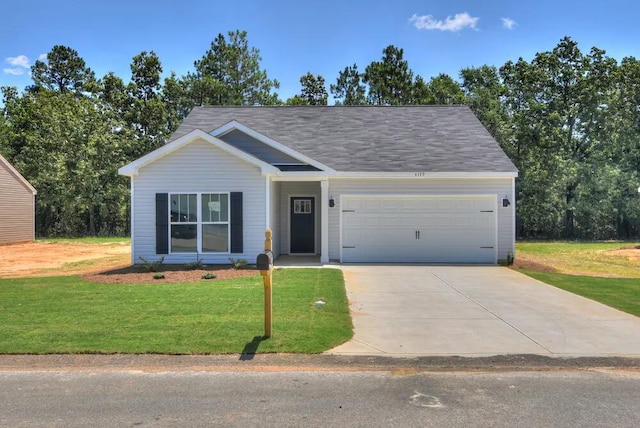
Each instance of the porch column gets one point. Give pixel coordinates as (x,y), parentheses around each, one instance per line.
(324,225)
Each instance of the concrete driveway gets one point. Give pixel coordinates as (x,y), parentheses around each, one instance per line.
(408,310)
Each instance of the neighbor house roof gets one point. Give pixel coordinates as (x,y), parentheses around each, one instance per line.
(369,138)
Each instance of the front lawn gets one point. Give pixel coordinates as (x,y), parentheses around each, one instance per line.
(619,293)
(68,315)
(607,272)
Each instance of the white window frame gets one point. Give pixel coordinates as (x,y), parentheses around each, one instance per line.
(302,206)
(200,222)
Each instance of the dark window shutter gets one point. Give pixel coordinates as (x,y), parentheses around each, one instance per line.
(236,222)
(162,223)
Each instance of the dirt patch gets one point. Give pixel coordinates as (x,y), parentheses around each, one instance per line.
(65,258)
(631,253)
(172,274)
(524,263)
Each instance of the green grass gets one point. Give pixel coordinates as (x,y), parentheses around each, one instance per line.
(619,293)
(580,258)
(88,240)
(68,315)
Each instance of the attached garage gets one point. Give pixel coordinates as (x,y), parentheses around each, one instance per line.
(419,229)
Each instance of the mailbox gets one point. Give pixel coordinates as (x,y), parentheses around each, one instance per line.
(264,260)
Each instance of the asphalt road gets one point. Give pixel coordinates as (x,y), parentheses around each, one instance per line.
(131,398)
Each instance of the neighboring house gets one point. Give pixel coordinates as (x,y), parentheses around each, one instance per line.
(350,184)
(17,205)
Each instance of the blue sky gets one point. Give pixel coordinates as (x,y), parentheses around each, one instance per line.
(306,35)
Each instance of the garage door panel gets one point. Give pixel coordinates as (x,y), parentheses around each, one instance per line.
(441,229)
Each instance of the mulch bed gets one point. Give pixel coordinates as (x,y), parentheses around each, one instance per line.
(172,273)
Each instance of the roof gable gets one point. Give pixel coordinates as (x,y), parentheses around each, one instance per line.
(133,168)
(393,139)
(17,175)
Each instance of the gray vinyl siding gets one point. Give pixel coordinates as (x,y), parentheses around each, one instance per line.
(256,148)
(274,216)
(500,187)
(17,202)
(198,167)
(300,188)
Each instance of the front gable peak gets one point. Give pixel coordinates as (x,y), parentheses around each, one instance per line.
(133,168)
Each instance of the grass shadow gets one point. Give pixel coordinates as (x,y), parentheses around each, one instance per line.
(250,348)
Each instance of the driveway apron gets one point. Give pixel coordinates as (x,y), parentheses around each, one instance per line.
(412,310)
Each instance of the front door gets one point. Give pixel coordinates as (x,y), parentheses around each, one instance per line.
(303,225)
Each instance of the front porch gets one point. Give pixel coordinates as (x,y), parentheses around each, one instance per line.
(286,260)
(299,218)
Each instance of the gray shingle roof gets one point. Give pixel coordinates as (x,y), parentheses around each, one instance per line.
(369,138)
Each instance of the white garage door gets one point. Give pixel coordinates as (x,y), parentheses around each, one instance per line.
(434,229)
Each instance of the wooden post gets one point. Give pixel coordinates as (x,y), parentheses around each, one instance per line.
(267,277)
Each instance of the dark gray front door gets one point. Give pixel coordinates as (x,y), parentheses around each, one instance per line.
(302,225)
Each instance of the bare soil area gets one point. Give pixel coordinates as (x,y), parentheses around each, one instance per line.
(61,258)
(631,253)
(611,263)
(522,262)
(98,262)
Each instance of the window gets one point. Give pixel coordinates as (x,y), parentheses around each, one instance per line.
(204,233)
(215,223)
(184,222)
(302,206)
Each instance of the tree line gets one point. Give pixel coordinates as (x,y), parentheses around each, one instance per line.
(569,120)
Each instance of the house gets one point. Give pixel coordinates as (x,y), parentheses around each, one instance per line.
(348,184)
(17,205)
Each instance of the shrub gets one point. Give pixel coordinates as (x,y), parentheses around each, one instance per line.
(158,275)
(509,259)
(152,266)
(238,263)
(209,275)
(194,265)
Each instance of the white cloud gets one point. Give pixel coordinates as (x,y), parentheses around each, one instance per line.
(458,22)
(16,71)
(19,61)
(42,57)
(508,23)
(20,65)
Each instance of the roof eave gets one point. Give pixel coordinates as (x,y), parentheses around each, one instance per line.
(427,174)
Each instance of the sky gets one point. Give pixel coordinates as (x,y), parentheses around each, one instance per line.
(321,37)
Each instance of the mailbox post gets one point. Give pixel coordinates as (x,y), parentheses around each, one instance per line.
(264,263)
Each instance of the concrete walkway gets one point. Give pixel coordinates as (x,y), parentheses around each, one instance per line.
(408,310)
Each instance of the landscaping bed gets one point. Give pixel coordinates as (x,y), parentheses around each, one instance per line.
(137,274)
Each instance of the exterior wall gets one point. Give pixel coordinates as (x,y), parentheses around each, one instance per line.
(297,188)
(428,186)
(274,216)
(17,208)
(256,148)
(198,167)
